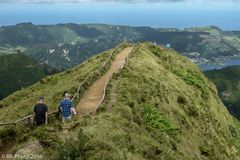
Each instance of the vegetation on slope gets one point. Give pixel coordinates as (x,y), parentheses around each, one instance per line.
(199,121)
(20,103)
(228,85)
(66,45)
(151,111)
(18,71)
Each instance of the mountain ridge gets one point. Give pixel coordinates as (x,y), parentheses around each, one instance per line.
(63,46)
(67,45)
(164,108)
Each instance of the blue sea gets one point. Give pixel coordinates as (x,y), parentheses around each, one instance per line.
(134,15)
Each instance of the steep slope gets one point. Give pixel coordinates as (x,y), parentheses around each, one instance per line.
(164,108)
(21,102)
(227,82)
(18,71)
(159,106)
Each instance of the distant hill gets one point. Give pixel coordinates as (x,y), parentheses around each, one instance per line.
(67,45)
(227,81)
(160,106)
(64,45)
(18,71)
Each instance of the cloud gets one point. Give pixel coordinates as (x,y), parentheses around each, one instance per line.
(111,1)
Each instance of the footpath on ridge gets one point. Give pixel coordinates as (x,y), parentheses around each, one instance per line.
(94,95)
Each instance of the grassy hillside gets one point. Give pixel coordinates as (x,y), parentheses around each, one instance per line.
(18,71)
(66,45)
(228,85)
(160,106)
(52,87)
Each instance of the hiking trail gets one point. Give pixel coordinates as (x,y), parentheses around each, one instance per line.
(94,95)
(90,100)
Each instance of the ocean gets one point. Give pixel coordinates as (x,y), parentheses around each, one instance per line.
(134,15)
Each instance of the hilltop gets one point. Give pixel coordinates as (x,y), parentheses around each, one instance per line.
(159,106)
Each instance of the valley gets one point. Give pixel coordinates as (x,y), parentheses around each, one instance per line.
(18,71)
(66,45)
(228,85)
(59,47)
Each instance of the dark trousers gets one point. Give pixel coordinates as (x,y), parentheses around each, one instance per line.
(40,123)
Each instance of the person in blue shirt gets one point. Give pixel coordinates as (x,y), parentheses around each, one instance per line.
(66,107)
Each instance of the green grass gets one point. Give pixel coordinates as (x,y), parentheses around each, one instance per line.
(21,102)
(172,103)
(191,79)
(48,87)
(156,120)
(149,112)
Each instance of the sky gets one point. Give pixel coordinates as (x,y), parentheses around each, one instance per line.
(192,2)
(153,13)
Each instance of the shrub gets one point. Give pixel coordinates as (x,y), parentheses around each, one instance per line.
(124,111)
(189,76)
(233,131)
(206,150)
(181,100)
(155,119)
(192,111)
(46,137)
(72,148)
(192,79)
(7,134)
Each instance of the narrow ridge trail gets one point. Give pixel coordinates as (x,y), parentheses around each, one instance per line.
(94,94)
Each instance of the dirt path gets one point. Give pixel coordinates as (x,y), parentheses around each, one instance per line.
(8,149)
(93,96)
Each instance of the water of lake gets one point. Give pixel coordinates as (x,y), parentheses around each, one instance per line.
(227,62)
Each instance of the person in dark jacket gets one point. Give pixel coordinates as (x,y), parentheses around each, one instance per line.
(41,112)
